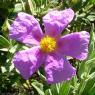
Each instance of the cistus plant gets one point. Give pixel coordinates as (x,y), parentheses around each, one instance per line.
(47,47)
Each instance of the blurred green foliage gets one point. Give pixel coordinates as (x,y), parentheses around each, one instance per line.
(11,82)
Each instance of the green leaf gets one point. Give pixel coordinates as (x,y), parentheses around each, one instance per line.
(32,6)
(48,92)
(89,84)
(54,90)
(82,87)
(65,88)
(91,17)
(18,7)
(4,43)
(39,87)
(92,76)
(92,90)
(92,42)
(81,69)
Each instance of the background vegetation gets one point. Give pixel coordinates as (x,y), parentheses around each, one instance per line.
(11,83)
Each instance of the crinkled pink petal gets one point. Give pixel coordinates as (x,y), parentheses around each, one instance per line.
(58,69)
(28,61)
(56,21)
(26,29)
(75,45)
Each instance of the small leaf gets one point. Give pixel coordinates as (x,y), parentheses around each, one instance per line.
(3,69)
(18,7)
(91,17)
(64,90)
(39,87)
(4,42)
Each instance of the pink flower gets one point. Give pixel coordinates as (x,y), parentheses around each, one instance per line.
(49,48)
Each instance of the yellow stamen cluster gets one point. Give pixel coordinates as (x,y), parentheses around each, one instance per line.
(48,44)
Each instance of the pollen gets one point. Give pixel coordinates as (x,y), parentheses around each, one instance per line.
(48,44)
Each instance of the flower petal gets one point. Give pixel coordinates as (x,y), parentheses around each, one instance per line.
(26,29)
(56,21)
(58,69)
(28,61)
(75,45)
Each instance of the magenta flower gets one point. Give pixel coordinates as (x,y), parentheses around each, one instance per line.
(48,48)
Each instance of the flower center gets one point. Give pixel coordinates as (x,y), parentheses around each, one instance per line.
(48,44)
